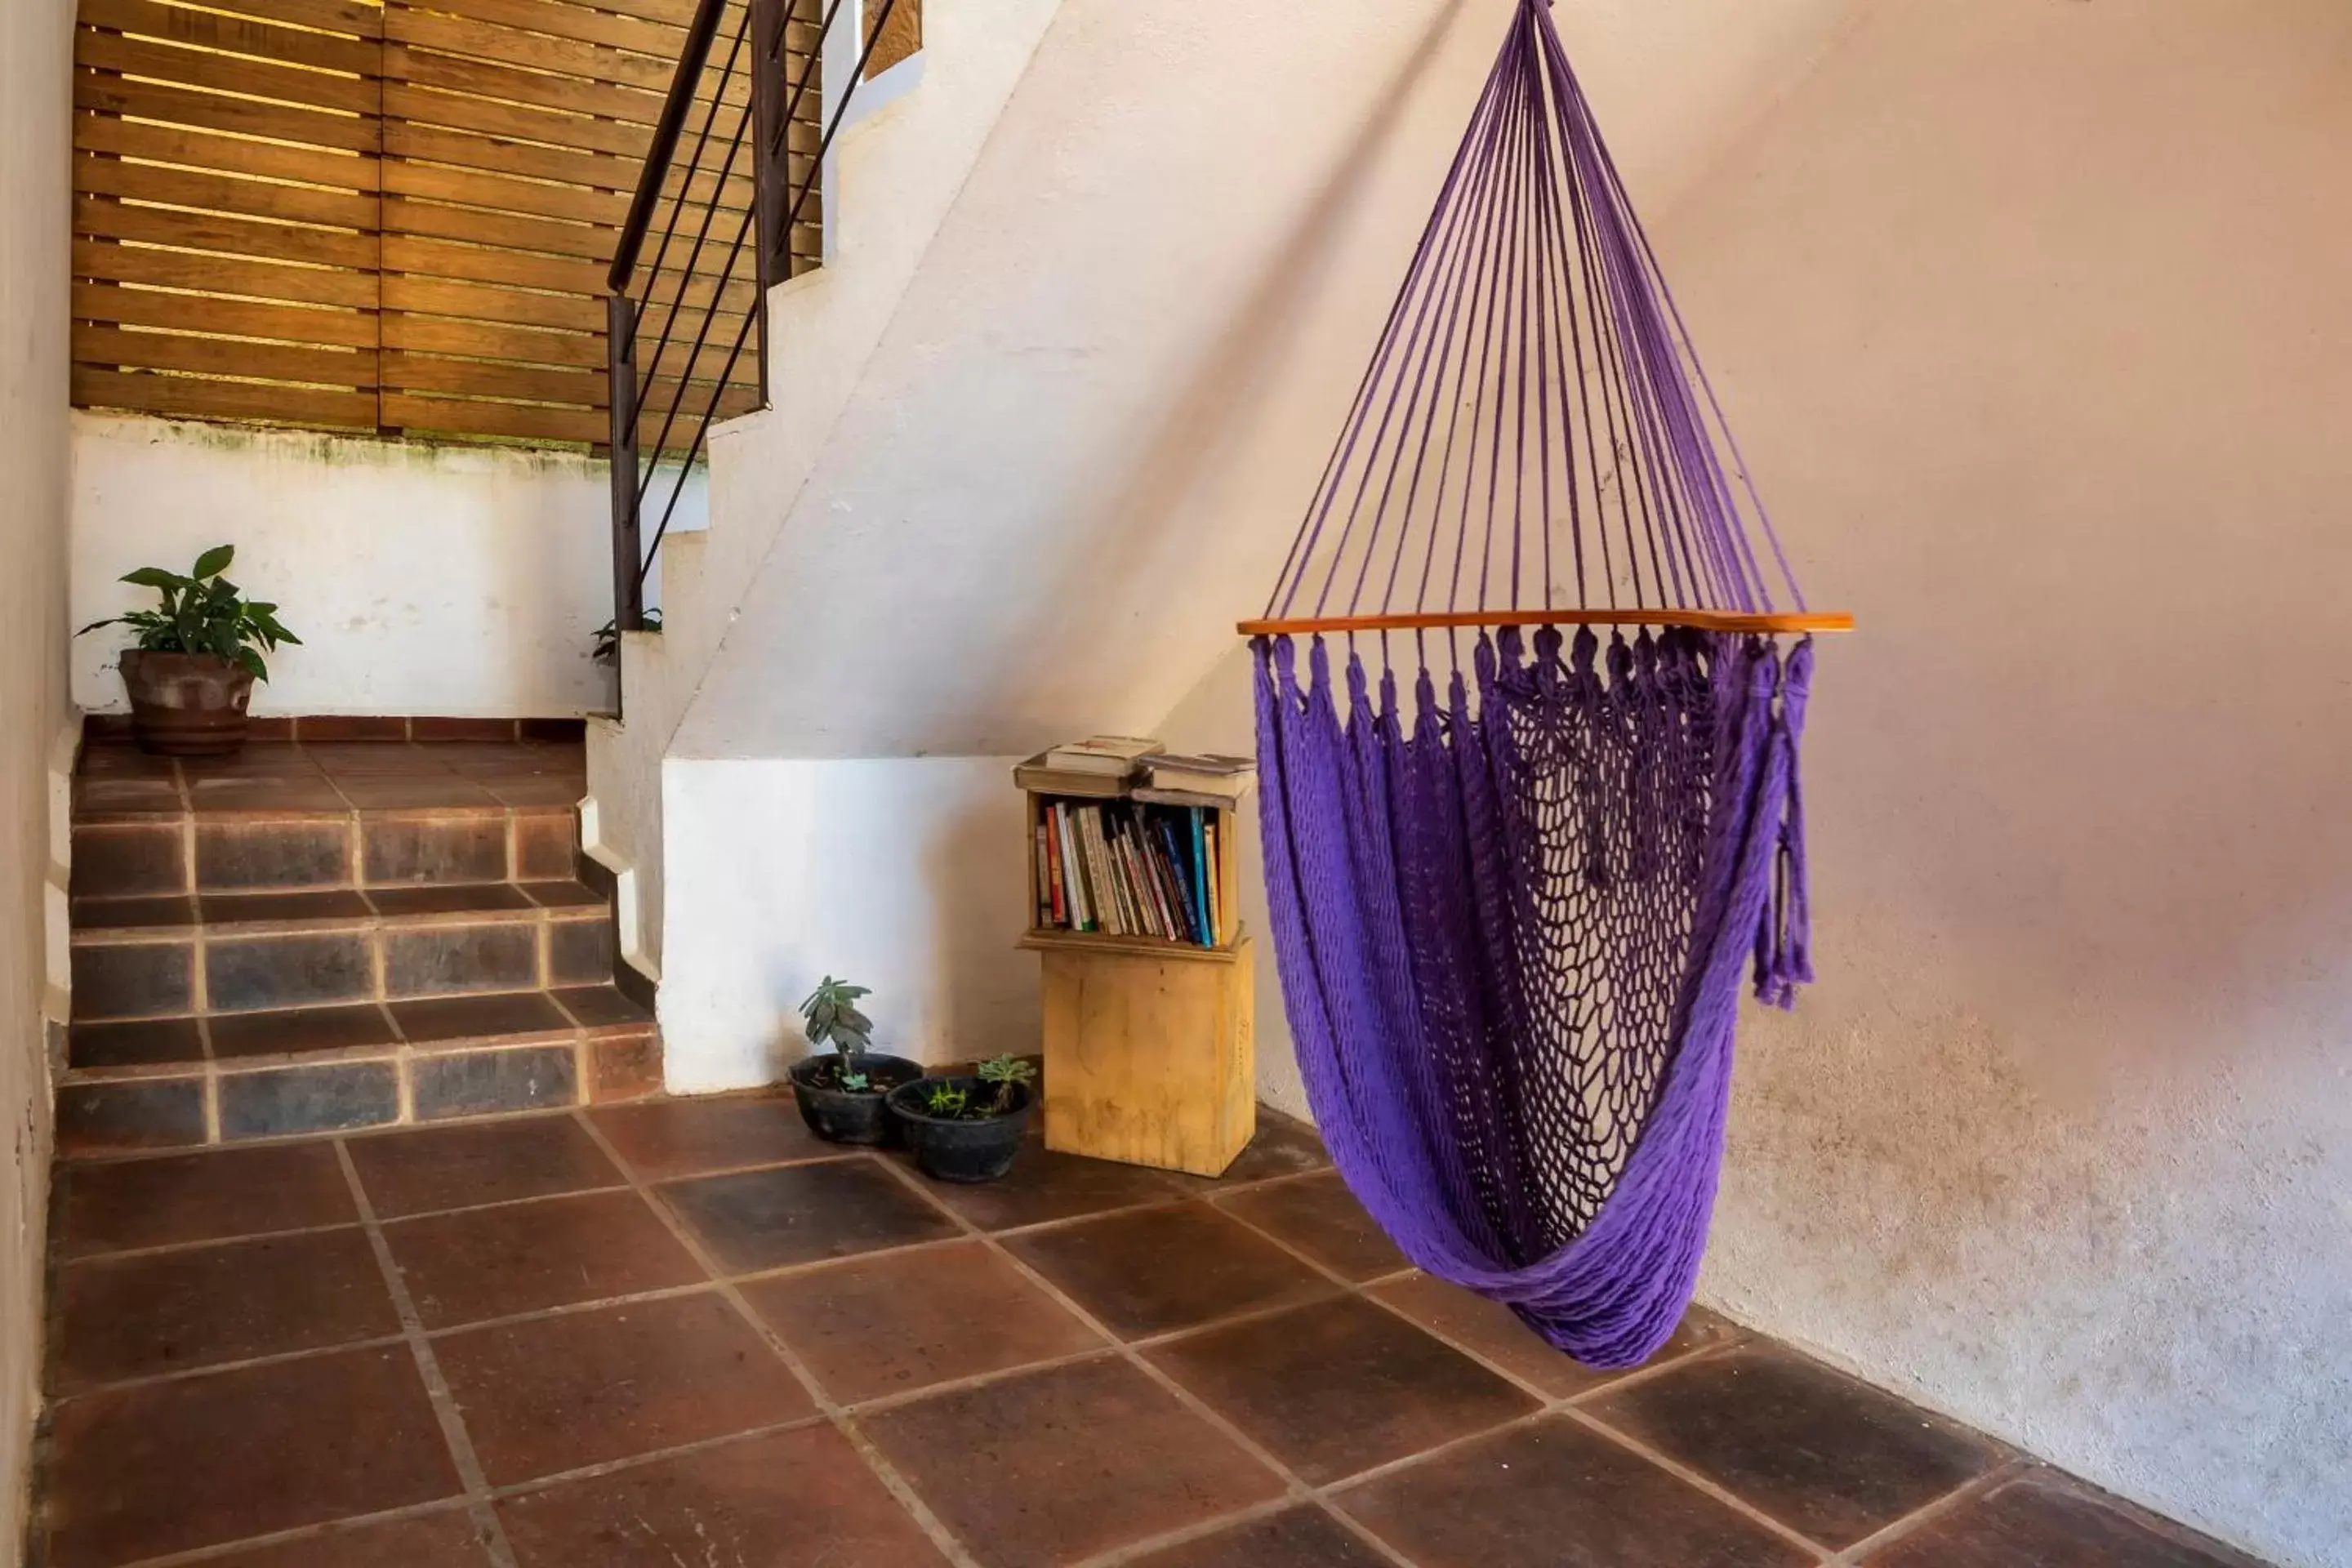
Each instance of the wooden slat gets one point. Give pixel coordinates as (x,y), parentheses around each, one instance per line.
(234,237)
(221,356)
(574,21)
(434,144)
(224,73)
(193,398)
(233,317)
(589,241)
(585,241)
(358,17)
(422,373)
(488,79)
(510,307)
(217,193)
(223,275)
(420,106)
(178,106)
(197,149)
(588,388)
(485,40)
(210,30)
(532,198)
(490,340)
(430,414)
(442,259)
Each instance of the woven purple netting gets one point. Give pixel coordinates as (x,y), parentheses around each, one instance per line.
(1512,915)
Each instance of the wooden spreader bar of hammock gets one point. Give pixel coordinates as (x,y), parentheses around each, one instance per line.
(1702,620)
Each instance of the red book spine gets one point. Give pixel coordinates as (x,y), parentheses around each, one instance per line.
(1060,907)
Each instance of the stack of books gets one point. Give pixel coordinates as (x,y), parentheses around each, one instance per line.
(1130,868)
(1207,780)
(1100,766)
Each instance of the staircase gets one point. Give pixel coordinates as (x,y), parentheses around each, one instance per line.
(323,933)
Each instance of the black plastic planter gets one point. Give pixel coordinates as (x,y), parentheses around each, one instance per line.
(958,1150)
(840,1116)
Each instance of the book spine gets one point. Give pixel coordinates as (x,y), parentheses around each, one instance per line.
(1099,871)
(1171,893)
(1201,876)
(1138,879)
(1176,844)
(1217,897)
(1041,878)
(1074,874)
(1146,852)
(1057,904)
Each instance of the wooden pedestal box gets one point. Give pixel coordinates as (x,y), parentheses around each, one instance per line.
(1149,1056)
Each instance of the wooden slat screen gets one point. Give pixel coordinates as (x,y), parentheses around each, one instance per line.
(374,214)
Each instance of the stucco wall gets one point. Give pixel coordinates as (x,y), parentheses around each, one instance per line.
(907,876)
(2034,319)
(1079,453)
(35,66)
(422,578)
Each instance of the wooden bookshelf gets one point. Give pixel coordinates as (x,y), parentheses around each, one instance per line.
(1150,1055)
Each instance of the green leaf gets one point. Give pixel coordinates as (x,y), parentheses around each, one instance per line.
(156,577)
(252,661)
(110,621)
(213,562)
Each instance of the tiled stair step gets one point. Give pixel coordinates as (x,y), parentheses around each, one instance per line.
(226,1076)
(159,956)
(205,850)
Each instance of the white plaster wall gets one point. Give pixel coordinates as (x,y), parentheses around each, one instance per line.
(422,578)
(36,62)
(1079,452)
(893,176)
(906,876)
(2034,319)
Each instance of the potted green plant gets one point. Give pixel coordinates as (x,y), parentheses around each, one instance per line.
(190,674)
(841,1092)
(968,1128)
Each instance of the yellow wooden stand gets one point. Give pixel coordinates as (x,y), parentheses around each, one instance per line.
(1149,1057)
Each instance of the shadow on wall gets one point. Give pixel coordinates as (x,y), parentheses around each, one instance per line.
(1230,391)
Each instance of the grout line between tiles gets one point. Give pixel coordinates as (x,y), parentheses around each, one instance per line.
(189,1374)
(1293,1484)
(201,1554)
(1683,1473)
(1568,1404)
(1966,1492)
(842,1422)
(436,1387)
(651,1457)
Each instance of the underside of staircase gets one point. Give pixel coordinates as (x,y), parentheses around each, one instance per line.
(319,935)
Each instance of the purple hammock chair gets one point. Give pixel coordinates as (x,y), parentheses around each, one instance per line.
(1511,919)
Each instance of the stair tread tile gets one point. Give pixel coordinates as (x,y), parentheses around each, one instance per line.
(448,1019)
(601,1007)
(295,1031)
(325,904)
(137,913)
(563,895)
(449,898)
(142,1042)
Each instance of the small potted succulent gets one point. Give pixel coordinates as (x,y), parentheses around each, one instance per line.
(967,1129)
(841,1093)
(191,673)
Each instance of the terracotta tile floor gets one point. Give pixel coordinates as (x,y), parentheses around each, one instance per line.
(685,1332)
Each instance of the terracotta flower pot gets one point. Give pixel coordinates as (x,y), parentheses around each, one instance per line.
(186,704)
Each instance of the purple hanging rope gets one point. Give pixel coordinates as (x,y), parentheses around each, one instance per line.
(1512,919)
